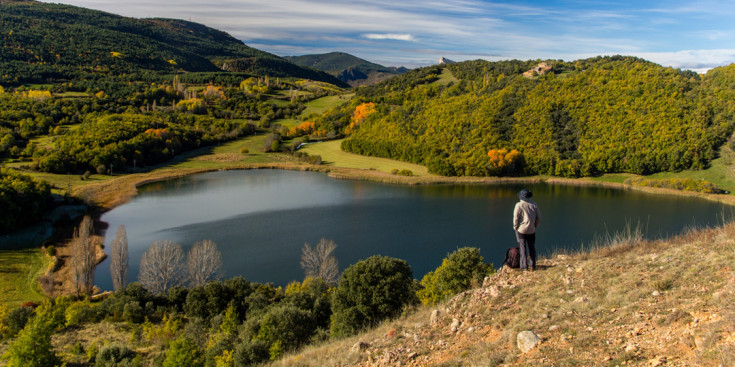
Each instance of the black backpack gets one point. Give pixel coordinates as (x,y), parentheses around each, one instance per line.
(513,258)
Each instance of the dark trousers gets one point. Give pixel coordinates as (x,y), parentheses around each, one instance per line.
(530,241)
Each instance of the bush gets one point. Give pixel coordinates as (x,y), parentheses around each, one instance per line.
(114,355)
(370,291)
(183,353)
(79,312)
(250,353)
(17,320)
(51,250)
(285,328)
(458,272)
(244,150)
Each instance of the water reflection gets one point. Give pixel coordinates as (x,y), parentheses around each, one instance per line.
(260,219)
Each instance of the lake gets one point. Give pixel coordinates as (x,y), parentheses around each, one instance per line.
(260,219)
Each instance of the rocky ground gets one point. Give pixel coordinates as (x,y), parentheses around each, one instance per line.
(633,302)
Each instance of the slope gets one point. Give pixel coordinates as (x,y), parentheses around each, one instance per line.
(632,302)
(584,118)
(44,42)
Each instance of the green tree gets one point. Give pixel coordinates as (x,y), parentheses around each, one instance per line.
(33,347)
(370,291)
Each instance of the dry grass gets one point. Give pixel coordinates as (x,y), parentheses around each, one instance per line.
(627,301)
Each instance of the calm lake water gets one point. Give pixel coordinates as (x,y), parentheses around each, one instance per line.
(260,219)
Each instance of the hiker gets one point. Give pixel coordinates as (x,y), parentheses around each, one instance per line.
(526,217)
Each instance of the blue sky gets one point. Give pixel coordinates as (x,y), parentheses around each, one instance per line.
(695,35)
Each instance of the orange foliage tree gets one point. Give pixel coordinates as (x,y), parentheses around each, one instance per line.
(504,161)
(361,113)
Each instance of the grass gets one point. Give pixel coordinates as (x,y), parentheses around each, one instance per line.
(446,77)
(636,302)
(333,155)
(321,105)
(19,271)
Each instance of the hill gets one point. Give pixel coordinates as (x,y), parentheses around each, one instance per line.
(632,302)
(43,42)
(348,68)
(581,118)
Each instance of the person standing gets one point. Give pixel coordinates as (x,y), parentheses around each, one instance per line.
(526,217)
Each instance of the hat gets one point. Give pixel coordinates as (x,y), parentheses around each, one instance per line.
(525,194)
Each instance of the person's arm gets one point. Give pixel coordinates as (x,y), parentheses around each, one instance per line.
(517,217)
(538,217)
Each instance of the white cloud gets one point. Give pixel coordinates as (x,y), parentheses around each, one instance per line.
(389,36)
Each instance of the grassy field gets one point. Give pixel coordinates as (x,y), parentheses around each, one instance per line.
(332,155)
(20,269)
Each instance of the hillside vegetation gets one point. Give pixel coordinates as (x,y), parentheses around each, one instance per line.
(593,116)
(632,302)
(44,42)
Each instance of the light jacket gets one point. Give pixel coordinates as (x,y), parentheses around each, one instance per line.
(526,217)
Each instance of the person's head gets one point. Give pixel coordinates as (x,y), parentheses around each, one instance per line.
(525,194)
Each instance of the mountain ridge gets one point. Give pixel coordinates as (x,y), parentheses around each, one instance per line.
(348,68)
(45,42)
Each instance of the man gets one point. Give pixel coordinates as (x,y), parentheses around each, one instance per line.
(526,217)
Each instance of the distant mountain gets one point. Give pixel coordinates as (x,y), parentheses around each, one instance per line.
(348,68)
(444,60)
(45,42)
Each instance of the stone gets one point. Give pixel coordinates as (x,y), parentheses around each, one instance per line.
(454,326)
(359,347)
(527,340)
(435,317)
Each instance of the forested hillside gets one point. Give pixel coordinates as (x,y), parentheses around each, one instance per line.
(599,115)
(44,42)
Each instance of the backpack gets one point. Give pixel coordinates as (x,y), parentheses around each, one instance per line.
(513,258)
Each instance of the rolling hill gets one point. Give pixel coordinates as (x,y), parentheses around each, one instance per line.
(348,68)
(579,118)
(44,42)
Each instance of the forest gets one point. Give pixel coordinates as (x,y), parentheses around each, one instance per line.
(587,117)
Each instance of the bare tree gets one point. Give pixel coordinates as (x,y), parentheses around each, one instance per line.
(83,259)
(320,262)
(204,263)
(161,267)
(119,259)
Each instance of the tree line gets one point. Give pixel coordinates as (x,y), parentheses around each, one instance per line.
(233,322)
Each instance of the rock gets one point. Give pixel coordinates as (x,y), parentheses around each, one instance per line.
(486,282)
(454,326)
(493,291)
(631,348)
(656,293)
(435,317)
(527,340)
(359,347)
(553,327)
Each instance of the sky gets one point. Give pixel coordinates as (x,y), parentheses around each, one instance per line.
(695,35)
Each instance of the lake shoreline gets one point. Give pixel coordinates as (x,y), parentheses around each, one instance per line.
(105,196)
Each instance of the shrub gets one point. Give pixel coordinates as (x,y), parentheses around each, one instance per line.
(458,272)
(78,313)
(86,175)
(17,319)
(250,353)
(51,250)
(114,355)
(285,328)
(101,169)
(183,353)
(370,291)
(244,150)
